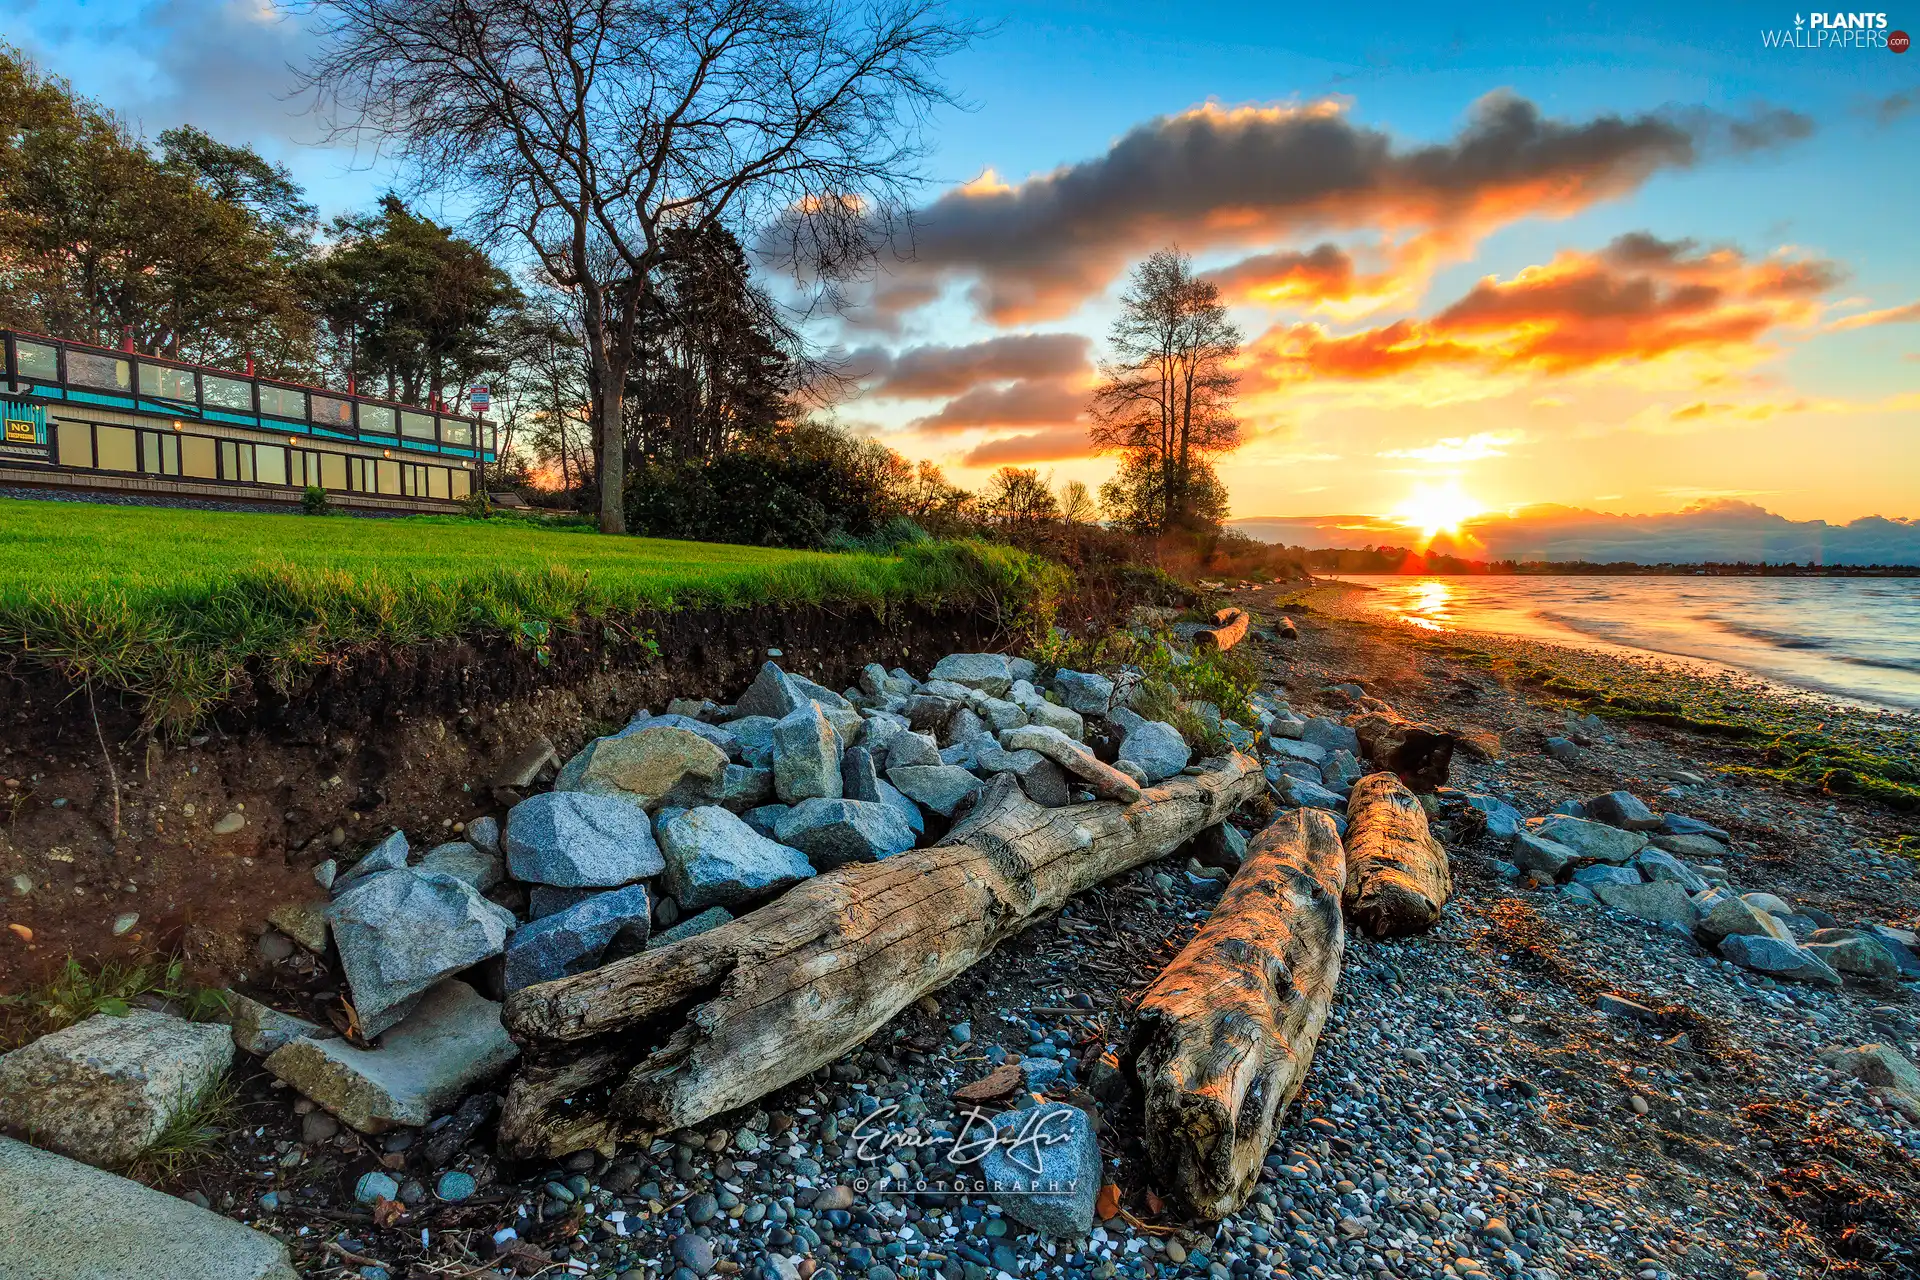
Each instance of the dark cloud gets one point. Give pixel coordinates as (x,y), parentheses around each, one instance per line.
(933,370)
(1215,176)
(1019,404)
(1890,108)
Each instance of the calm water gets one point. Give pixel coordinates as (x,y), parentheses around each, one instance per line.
(1855,638)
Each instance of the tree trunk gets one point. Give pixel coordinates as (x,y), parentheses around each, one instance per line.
(670,1037)
(1397,878)
(1229,628)
(1421,754)
(1223,1038)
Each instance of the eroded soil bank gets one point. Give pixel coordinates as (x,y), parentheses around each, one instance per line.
(114,843)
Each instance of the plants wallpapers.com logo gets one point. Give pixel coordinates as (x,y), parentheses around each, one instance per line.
(1834,32)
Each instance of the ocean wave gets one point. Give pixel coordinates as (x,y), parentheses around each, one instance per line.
(1880,664)
(1778,639)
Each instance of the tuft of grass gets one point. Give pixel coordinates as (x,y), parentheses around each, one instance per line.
(190,1137)
(178,608)
(78,992)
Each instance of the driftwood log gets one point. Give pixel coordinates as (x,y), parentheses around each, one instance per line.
(1229,629)
(1224,1036)
(670,1037)
(1397,878)
(1421,754)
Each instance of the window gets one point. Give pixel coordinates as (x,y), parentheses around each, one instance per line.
(270,464)
(228,393)
(167,384)
(329,412)
(376,419)
(333,470)
(436,482)
(389,473)
(283,403)
(76,444)
(462,483)
(198,458)
(457,432)
(236,460)
(416,426)
(160,453)
(38,361)
(106,372)
(115,446)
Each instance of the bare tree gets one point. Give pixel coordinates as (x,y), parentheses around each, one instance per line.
(1019,497)
(592,128)
(1076,503)
(1165,399)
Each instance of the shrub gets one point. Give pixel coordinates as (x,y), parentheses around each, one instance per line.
(313,501)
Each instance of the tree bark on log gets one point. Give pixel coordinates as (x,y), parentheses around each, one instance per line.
(1421,754)
(1397,877)
(1223,1038)
(1229,629)
(670,1037)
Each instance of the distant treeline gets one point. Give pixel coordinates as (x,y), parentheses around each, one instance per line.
(1407,560)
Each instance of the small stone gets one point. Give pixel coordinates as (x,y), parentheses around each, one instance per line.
(1621,809)
(124,922)
(484,835)
(1537,853)
(374,1187)
(455,1186)
(230,824)
(1778,959)
(260,1030)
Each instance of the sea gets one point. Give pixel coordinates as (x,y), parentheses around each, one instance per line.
(1856,639)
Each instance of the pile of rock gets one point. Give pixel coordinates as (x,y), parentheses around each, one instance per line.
(665,829)
(1613,850)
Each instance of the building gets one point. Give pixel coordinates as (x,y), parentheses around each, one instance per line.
(74,416)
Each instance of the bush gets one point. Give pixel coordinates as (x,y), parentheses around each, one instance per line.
(313,501)
(478,504)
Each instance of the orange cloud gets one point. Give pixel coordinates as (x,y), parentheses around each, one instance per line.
(1886,315)
(1637,300)
(1053,445)
(1020,404)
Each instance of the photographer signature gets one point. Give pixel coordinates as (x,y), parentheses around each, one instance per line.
(1038,1129)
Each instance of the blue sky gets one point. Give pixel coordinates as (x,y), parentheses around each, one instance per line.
(1786,404)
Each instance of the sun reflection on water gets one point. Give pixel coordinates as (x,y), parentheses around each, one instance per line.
(1426,606)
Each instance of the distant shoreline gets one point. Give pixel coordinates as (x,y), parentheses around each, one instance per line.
(1385,563)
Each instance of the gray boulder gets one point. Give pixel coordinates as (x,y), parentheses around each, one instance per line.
(859,778)
(1590,841)
(1778,959)
(999,714)
(573,940)
(716,859)
(718,736)
(1502,820)
(450,1043)
(765,818)
(1657,864)
(1341,770)
(806,757)
(1044,781)
(1662,902)
(646,765)
(1854,951)
(1621,809)
(544,900)
(1679,824)
(904,809)
(1051,715)
(1304,793)
(1330,735)
(1295,749)
(578,840)
(389,855)
(832,833)
(463,861)
(1106,781)
(484,834)
(740,788)
(773,694)
(105,1089)
(985,671)
(1727,916)
(63,1220)
(1042,1167)
(1900,944)
(259,1029)
(940,788)
(963,726)
(707,921)
(1697,848)
(1601,873)
(1157,748)
(911,749)
(1565,751)
(755,736)
(1530,852)
(401,932)
(1086,692)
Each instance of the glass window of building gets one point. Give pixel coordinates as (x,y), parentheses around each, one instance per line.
(283,402)
(436,482)
(457,432)
(160,453)
(462,483)
(167,384)
(376,419)
(76,444)
(116,448)
(229,393)
(236,461)
(416,426)
(84,369)
(270,463)
(333,470)
(36,360)
(329,412)
(198,458)
(389,476)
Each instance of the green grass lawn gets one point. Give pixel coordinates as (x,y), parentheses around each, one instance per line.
(172,605)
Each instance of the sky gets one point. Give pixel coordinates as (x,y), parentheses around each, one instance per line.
(1625,258)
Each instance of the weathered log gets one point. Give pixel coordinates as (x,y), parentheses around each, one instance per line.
(1223,1038)
(1421,754)
(1229,629)
(1397,878)
(670,1037)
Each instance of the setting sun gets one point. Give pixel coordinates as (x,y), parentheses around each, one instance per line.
(1438,509)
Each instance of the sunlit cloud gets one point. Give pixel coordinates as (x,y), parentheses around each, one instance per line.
(1886,315)
(1458,449)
